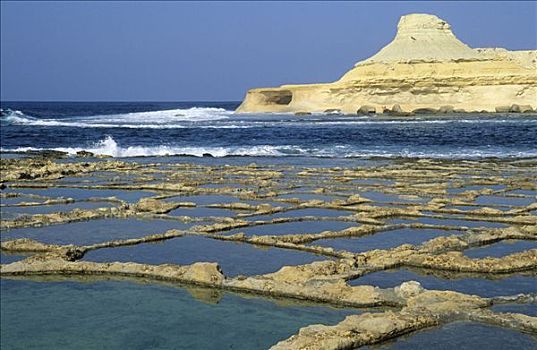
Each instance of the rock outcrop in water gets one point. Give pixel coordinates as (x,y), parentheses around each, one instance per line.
(425,69)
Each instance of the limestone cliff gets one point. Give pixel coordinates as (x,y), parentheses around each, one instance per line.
(424,68)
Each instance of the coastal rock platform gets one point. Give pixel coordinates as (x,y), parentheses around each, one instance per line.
(440,211)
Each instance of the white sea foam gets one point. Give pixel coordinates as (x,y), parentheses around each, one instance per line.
(218,118)
(110,147)
(166,119)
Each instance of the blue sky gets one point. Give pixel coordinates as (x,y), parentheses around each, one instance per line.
(215,51)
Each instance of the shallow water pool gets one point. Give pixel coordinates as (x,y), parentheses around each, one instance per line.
(382,240)
(124,315)
(500,249)
(234,258)
(469,284)
(298,227)
(463,335)
(94,231)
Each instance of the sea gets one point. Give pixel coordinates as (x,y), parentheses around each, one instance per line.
(213,129)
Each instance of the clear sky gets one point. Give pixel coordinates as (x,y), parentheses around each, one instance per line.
(215,51)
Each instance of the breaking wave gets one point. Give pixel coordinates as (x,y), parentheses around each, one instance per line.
(165,119)
(108,146)
(219,118)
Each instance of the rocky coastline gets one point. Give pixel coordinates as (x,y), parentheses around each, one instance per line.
(424,70)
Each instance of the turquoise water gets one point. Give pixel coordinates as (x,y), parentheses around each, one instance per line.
(234,258)
(124,315)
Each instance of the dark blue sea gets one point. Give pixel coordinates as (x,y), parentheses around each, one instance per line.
(133,129)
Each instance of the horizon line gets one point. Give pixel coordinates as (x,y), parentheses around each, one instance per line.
(126,101)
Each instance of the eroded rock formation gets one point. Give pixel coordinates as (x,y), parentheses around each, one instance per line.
(425,69)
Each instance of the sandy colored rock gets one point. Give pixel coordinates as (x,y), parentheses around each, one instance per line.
(424,68)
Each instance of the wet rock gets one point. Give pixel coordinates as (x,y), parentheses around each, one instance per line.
(303,113)
(425,111)
(155,206)
(525,109)
(503,109)
(366,109)
(332,111)
(446,109)
(85,154)
(514,108)
(409,289)
(205,273)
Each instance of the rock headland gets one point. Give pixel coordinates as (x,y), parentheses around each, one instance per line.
(425,69)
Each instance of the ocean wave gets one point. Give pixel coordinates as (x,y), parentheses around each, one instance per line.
(165,119)
(218,118)
(108,146)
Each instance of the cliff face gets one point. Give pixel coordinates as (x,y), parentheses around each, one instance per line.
(424,67)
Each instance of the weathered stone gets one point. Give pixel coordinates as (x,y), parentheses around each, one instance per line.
(332,111)
(514,108)
(503,109)
(446,109)
(425,111)
(525,109)
(366,109)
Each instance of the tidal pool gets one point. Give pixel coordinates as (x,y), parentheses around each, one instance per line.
(297,227)
(502,200)
(84,193)
(205,199)
(296,213)
(469,284)
(13,212)
(453,190)
(500,249)
(449,221)
(94,231)
(526,309)
(462,336)
(20,199)
(473,207)
(382,240)
(7,258)
(390,197)
(308,197)
(125,315)
(234,258)
(202,212)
